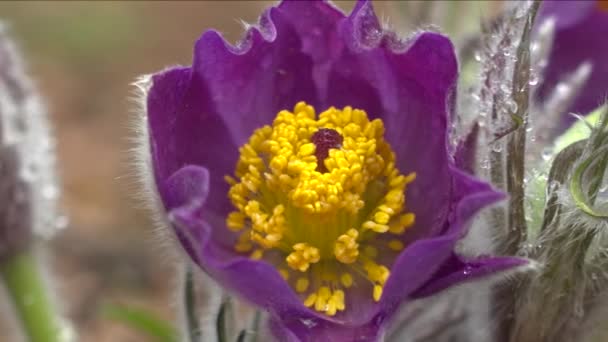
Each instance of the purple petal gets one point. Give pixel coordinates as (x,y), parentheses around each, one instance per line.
(465,156)
(422,259)
(580,37)
(188,188)
(265,73)
(456,271)
(409,87)
(311,331)
(256,281)
(185,129)
(566,12)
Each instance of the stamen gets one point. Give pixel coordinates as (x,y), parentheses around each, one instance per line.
(346,249)
(302,285)
(395,245)
(347,280)
(302,256)
(377,292)
(322,297)
(235,221)
(311,194)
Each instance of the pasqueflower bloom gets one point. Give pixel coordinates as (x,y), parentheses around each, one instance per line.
(581,28)
(307,170)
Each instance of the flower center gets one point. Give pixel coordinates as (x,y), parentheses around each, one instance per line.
(603,5)
(325,139)
(321,199)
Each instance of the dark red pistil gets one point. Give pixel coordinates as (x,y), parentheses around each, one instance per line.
(324,140)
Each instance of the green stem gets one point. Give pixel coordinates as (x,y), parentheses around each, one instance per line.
(33,307)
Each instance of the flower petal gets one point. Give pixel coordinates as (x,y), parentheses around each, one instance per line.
(256,281)
(423,258)
(456,270)
(251,82)
(466,151)
(291,330)
(566,12)
(410,86)
(580,37)
(185,129)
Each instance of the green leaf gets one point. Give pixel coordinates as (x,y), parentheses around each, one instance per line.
(142,321)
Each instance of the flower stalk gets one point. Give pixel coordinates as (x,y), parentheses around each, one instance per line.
(21,274)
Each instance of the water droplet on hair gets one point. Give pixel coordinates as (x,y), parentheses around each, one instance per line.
(511,106)
(309,323)
(61,221)
(29,172)
(534,79)
(547,153)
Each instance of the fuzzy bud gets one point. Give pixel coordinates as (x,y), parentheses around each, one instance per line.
(28,190)
(570,247)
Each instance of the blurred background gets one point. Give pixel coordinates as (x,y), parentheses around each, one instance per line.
(83,57)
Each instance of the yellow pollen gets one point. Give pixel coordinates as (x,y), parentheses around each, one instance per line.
(347,280)
(236,221)
(302,285)
(395,245)
(257,254)
(312,194)
(346,249)
(302,256)
(377,292)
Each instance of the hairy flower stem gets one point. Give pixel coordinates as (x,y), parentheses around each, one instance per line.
(190,303)
(32,304)
(515,168)
(516,145)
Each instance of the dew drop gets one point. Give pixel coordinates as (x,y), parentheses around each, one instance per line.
(61,221)
(547,153)
(485,164)
(309,323)
(534,79)
(511,106)
(50,191)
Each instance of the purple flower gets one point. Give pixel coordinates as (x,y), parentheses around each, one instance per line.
(306,169)
(581,28)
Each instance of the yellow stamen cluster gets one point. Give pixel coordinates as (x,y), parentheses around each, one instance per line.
(322,222)
(302,256)
(325,300)
(346,248)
